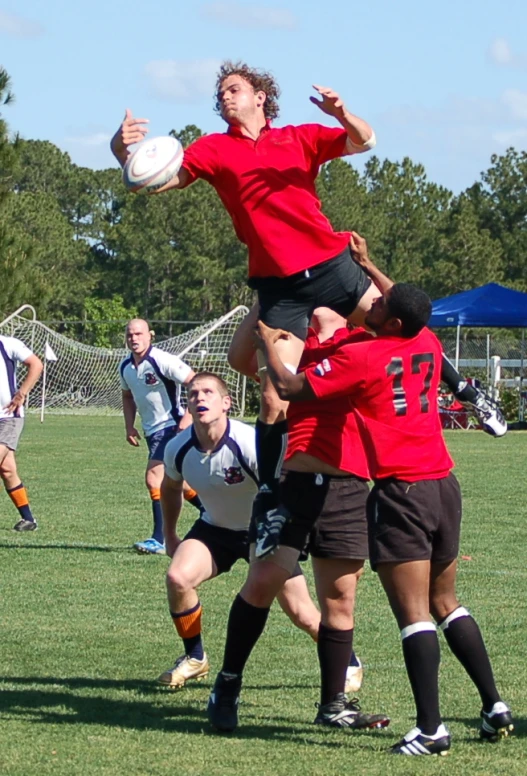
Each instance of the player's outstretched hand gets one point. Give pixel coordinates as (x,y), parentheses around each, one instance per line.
(359,249)
(330,102)
(264,335)
(131,131)
(133,437)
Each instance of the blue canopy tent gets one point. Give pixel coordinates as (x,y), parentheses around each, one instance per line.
(491,306)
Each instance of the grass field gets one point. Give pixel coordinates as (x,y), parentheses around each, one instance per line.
(85,631)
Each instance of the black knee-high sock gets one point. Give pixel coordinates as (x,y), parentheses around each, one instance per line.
(421,656)
(457,384)
(466,642)
(334,649)
(245,626)
(271,444)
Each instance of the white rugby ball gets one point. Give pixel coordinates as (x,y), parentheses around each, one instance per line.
(153,164)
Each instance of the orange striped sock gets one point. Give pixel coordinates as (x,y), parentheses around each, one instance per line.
(18,496)
(188,626)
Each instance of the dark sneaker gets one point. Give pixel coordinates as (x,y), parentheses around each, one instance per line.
(26,525)
(497,723)
(343,713)
(222,708)
(489,415)
(416,743)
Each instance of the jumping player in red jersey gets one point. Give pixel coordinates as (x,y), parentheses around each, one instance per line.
(324,479)
(265,177)
(414,509)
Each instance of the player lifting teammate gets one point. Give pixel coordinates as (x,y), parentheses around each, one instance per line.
(414,510)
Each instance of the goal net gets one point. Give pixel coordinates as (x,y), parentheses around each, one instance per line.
(85,379)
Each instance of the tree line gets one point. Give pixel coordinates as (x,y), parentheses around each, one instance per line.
(75,244)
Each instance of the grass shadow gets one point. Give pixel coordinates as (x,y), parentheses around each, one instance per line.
(60,701)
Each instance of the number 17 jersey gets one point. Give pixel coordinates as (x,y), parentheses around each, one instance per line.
(393,384)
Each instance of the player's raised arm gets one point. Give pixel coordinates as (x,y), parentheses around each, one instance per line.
(359,251)
(360,133)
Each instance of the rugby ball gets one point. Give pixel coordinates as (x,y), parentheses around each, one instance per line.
(153,164)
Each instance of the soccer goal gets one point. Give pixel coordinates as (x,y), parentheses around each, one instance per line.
(84,379)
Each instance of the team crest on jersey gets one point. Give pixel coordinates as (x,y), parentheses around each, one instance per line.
(323,368)
(233,475)
(151,379)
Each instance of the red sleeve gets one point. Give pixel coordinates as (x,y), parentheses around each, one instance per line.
(340,375)
(323,143)
(199,159)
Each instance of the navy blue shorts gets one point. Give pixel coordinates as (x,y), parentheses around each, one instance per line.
(158,441)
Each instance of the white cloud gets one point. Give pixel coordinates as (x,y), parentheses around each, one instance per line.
(516,102)
(241,15)
(18,27)
(95,139)
(182,80)
(501,54)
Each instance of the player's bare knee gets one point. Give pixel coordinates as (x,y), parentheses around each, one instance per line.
(178,581)
(341,608)
(8,467)
(441,605)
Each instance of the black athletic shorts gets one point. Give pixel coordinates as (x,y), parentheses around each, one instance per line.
(414,521)
(327,515)
(288,303)
(225,545)
(341,531)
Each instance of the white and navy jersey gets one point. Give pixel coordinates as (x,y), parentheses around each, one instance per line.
(226,479)
(12,350)
(155,384)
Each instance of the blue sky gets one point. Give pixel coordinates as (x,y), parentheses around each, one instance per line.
(443,83)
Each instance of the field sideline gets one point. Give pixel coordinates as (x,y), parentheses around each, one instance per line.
(85,631)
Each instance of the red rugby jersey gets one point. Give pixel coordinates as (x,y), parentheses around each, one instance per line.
(393,383)
(326,429)
(268,188)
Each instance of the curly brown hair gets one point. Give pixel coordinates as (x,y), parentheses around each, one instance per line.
(260,80)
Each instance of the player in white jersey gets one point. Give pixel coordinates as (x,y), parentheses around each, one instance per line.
(12,398)
(151,381)
(217,457)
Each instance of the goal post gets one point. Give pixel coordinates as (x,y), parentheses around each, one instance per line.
(84,379)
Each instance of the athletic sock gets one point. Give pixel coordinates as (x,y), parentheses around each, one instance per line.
(466,642)
(18,496)
(192,497)
(422,657)
(245,626)
(157,533)
(188,626)
(271,445)
(334,649)
(457,384)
